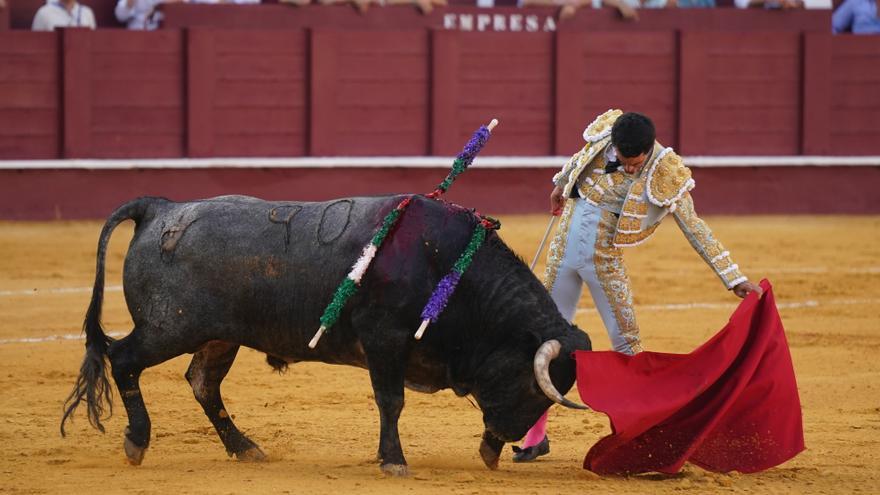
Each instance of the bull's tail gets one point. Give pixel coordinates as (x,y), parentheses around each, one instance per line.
(92,385)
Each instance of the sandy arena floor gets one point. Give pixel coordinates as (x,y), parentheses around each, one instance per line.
(319,423)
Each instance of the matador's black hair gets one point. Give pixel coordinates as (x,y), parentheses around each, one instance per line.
(633,134)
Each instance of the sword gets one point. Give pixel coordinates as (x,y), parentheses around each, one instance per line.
(543,241)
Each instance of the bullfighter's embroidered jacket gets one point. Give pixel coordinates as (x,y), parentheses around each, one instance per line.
(662,188)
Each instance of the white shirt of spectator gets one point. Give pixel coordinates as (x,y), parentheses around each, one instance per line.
(141,15)
(55,15)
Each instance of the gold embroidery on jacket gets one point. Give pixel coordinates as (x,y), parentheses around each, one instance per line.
(611,273)
(628,224)
(601,126)
(570,165)
(637,188)
(594,195)
(591,186)
(733,278)
(703,241)
(614,179)
(669,179)
(722,264)
(624,239)
(635,207)
(712,251)
(574,175)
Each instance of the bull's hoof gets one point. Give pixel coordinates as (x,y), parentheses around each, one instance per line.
(253,454)
(489,455)
(133,453)
(397,470)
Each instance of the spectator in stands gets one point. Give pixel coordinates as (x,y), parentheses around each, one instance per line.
(695,4)
(62,14)
(140,14)
(147,14)
(769,4)
(627,8)
(857,17)
(425,6)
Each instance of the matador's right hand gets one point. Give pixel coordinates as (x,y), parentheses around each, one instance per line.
(743,289)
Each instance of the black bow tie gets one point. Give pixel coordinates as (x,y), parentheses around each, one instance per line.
(612,166)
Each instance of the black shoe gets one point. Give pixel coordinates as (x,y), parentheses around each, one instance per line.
(531,453)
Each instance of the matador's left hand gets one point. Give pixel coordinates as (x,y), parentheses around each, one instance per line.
(743,289)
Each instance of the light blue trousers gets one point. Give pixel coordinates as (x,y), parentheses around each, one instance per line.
(590,258)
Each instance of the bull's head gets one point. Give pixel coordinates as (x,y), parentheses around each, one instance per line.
(514,395)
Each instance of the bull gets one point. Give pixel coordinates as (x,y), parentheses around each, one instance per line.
(206,277)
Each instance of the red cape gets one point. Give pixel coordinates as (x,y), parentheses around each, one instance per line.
(730,405)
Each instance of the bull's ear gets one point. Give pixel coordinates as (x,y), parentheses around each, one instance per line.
(575,340)
(579,340)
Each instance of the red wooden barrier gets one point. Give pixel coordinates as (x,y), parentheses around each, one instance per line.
(370,92)
(755,104)
(76,92)
(247,93)
(816,94)
(30,112)
(460,18)
(123,94)
(5,20)
(395,82)
(630,70)
(855,100)
(503,75)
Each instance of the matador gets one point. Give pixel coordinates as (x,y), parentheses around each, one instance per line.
(612,194)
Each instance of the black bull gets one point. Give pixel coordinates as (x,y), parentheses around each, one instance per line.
(206,277)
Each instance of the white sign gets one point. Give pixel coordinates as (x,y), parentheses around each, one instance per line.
(499,23)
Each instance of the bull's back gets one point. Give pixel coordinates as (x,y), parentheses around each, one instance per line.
(240,268)
(237,260)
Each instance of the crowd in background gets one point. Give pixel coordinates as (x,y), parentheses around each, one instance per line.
(851,16)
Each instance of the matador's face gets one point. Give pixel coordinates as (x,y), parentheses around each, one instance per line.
(632,164)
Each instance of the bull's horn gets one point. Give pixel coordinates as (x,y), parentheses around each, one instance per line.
(548,352)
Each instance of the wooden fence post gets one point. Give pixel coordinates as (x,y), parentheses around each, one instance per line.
(200,60)
(816,94)
(445,51)
(692,97)
(322,103)
(76,92)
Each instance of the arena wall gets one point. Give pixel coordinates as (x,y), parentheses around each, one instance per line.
(402,84)
(274,81)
